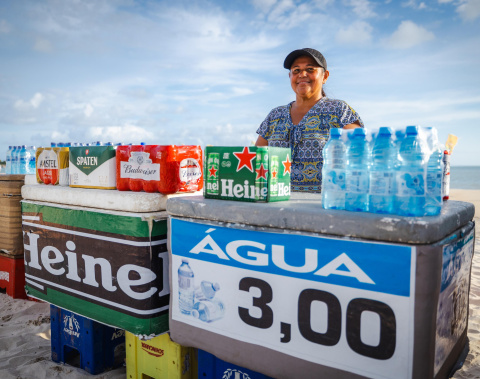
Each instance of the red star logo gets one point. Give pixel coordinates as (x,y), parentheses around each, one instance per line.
(261,172)
(213,171)
(274,173)
(287,166)
(245,158)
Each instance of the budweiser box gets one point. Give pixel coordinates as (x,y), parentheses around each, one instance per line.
(159,168)
(109,266)
(92,167)
(255,174)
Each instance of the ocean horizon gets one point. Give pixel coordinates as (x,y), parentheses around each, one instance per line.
(465,177)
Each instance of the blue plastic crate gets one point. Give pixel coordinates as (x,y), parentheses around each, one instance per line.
(211,367)
(84,343)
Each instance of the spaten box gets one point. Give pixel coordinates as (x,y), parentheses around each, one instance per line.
(92,167)
(254,174)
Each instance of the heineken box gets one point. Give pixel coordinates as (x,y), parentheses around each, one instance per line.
(93,167)
(255,174)
(105,265)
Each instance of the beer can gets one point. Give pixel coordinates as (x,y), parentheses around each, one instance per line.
(446,175)
(213,164)
(274,165)
(261,168)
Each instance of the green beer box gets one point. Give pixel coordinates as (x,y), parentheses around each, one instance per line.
(254,174)
(93,167)
(109,266)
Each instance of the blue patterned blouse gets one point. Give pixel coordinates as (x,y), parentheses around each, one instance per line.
(308,138)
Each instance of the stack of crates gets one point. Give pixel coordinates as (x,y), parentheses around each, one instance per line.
(12,268)
(84,343)
(159,357)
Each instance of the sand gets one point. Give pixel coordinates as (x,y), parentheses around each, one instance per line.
(25,350)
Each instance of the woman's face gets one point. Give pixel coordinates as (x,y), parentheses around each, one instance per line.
(307,77)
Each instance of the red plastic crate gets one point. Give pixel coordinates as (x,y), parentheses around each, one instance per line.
(12,275)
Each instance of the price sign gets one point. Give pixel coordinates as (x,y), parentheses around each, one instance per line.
(342,303)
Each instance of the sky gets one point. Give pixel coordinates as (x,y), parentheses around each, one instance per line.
(208,72)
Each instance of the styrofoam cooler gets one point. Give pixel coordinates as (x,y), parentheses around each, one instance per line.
(101,254)
(308,292)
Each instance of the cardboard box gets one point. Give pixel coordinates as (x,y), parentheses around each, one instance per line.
(254,174)
(11,241)
(92,167)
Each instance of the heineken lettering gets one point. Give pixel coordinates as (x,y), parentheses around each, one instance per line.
(248,173)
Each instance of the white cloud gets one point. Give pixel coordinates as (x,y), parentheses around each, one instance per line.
(358,33)
(126,133)
(469,10)
(263,5)
(413,4)
(362,8)
(444,1)
(88,110)
(43,45)
(408,35)
(4,27)
(33,103)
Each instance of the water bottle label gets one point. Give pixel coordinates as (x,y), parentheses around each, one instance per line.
(357,181)
(434,183)
(410,183)
(334,180)
(382,183)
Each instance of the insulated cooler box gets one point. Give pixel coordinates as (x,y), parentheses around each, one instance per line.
(104,264)
(308,292)
(11,214)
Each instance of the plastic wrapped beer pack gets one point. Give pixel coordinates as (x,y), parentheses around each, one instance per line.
(159,168)
(52,165)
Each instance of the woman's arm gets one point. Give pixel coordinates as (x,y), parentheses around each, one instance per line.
(261,141)
(356,124)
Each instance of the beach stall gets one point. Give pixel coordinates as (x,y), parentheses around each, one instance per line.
(291,290)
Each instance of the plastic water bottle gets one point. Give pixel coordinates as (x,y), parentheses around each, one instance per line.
(24,158)
(411,175)
(356,178)
(433,200)
(8,167)
(333,171)
(31,160)
(207,290)
(208,311)
(382,175)
(186,289)
(13,169)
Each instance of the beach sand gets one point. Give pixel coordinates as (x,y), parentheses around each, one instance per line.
(25,350)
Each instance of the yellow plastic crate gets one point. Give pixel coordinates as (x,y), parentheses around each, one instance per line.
(159,358)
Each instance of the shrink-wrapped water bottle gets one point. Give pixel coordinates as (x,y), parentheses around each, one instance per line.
(356,196)
(411,175)
(15,160)
(23,158)
(207,290)
(186,289)
(333,171)
(382,174)
(30,165)
(208,310)
(433,200)
(8,167)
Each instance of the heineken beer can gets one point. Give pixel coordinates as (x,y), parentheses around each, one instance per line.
(274,176)
(213,164)
(261,169)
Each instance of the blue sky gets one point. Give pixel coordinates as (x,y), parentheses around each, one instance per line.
(208,72)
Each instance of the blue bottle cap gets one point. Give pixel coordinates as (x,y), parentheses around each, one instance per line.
(411,130)
(359,132)
(336,132)
(385,131)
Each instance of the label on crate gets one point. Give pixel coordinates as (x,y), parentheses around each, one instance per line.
(410,183)
(190,170)
(334,302)
(92,167)
(140,166)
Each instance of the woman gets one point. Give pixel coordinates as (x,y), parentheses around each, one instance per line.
(304,124)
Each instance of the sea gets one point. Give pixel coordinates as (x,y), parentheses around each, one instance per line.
(465,177)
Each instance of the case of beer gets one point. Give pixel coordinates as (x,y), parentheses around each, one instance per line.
(254,174)
(159,168)
(92,167)
(52,165)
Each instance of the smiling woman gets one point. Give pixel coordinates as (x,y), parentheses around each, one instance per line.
(304,124)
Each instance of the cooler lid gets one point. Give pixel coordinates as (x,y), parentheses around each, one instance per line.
(304,213)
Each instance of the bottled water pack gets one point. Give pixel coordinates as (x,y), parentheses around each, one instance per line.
(396,172)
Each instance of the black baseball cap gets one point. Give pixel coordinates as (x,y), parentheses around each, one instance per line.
(316,55)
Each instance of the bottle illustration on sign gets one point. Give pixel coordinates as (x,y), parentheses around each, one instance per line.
(235,374)
(199,302)
(186,290)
